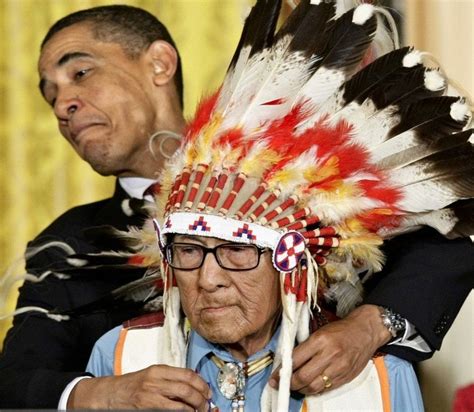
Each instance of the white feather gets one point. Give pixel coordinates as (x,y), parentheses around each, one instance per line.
(347,295)
(321,86)
(76,262)
(331,209)
(362,13)
(405,157)
(270,75)
(374,129)
(442,220)
(370,127)
(361,175)
(413,58)
(126,209)
(434,81)
(426,195)
(403,141)
(233,77)
(460,111)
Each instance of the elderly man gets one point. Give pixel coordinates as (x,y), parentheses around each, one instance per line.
(112,77)
(233,303)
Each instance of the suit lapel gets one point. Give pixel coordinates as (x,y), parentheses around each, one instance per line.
(113,213)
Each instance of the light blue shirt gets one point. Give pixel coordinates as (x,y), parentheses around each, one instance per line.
(199,360)
(405,392)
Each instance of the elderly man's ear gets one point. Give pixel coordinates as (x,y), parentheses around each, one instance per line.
(164,60)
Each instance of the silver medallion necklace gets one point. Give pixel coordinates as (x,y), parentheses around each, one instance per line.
(232,378)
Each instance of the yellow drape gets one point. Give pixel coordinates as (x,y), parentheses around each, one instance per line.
(41,176)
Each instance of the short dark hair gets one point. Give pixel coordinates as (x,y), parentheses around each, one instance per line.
(131,27)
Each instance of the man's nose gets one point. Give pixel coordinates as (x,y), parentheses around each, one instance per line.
(211,275)
(67,103)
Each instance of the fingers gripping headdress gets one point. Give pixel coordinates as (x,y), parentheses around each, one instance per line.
(304,152)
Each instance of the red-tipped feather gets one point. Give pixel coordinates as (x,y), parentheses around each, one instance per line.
(203,114)
(136,260)
(231,137)
(377,190)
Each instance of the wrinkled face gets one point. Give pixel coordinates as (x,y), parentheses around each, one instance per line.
(230,306)
(101,98)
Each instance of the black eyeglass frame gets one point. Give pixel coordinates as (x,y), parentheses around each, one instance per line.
(213,250)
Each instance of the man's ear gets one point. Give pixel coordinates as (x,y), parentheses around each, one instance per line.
(164,60)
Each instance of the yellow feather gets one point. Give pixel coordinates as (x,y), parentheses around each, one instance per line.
(380,211)
(284,176)
(317,174)
(258,164)
(203,143)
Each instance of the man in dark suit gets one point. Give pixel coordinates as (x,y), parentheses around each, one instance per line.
(110,91)
(112,77)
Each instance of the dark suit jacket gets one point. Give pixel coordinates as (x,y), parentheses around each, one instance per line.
(426,279)
(41,356)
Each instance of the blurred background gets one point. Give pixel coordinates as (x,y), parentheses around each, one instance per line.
(41,176)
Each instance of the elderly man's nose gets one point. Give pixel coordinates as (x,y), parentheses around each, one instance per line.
(211,275)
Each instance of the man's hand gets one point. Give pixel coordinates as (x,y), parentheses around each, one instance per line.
(158,386)
(340,350)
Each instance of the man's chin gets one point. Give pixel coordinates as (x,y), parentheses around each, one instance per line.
(101,164)
(222,338)
(103,170)
(220,333)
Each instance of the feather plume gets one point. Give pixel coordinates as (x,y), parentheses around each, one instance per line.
(361,84)
(346,44)
(412,146)
(131,295)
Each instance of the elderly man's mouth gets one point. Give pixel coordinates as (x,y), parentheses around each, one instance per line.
(216,310)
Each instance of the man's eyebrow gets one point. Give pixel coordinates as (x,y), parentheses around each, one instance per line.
(71,56)
(190,237)
(61,62)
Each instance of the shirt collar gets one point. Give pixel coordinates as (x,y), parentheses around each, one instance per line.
(200,347)
(135,186)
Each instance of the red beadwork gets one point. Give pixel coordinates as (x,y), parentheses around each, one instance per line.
(238,183)
(285,205)
(182,187)
(263,206)
(201,168)
(301,213)
(218,190)
(251,201)
(207,193)
(174,193)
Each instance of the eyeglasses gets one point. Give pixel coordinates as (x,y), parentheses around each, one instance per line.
(229,256)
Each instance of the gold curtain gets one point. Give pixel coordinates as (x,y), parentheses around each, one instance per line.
(40,175)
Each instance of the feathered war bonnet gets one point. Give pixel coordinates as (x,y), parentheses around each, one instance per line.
(302,151)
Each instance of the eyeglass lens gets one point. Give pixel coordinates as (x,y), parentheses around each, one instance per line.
(229,256)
